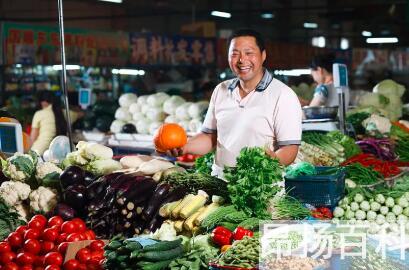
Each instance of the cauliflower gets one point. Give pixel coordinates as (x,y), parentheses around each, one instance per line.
(48,174)
(20,167)
(73,158)
(377,124)
(43,199)
(103,166)
(13,192)
(22,210)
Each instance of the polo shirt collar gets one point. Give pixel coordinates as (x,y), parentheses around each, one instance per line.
(261,86)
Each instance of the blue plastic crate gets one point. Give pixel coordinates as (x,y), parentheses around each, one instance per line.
(318,190)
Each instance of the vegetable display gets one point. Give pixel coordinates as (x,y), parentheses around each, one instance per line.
(386,168)
(251,182)
(243,254)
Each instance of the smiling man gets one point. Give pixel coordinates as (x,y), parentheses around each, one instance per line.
(253,109)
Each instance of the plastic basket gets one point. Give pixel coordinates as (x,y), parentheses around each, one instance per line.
(318,190)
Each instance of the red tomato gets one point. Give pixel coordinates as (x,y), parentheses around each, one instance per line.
(50,235)
(36,224)
(7,257)
(53,258)
(32,234)
(55,220)
(61,238)
(47,247)
(74,237)
(82,266)
(56,227)
(40,218)
(21,229)
(93,264)
(25,258)
(71,265)
(83,255)
(39,268)
(62,248)
(4,247)
(32,246)
(26,267)
(39,261)
(81,226)
(97,245)
(89,234)
(69,227)
(11,266)
(97,254)
(15,240)
(52,267)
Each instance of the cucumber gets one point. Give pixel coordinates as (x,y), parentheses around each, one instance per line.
(153,266)
(111,256)
(123,265)
(133,245)
(122,250)
(113,245)
(163,245)
(122,258)
(134,254)
(156,256)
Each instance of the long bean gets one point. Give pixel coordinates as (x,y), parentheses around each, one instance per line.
(289,208)
(362,175)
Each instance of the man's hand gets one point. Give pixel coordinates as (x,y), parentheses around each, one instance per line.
(176,152)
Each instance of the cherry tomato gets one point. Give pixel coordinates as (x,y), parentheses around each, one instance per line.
(71,264)
(4,247)
(93,264)
(81,226)
(32,246)
(82,266)
(40,218)
(83,255)
(62,248)
(61,238)
(56,227)
(53,258)
(74,237)
(50,235)
(69,227)
(97,245)
(36,224)
(26,267)
(21,229)
(25,258)
(39,268)
(7,257)
(11,266)
(32,234)
(47,247)
(39,261)
(55,220)
(52,267)
(15,240)
(89,235)
(97,254)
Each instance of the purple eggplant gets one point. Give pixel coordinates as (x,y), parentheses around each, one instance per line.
(75,197)
(73,175)
(64,211)
(152,206)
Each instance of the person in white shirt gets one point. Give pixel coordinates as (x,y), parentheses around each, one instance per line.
(252,110)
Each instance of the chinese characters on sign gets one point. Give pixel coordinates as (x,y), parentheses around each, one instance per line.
(343,244)
(151,49)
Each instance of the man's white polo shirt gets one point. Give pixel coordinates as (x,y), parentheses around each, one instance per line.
(269,115)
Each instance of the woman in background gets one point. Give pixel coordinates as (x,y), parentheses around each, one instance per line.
(48,122)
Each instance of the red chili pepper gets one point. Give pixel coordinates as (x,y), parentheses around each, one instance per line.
(317,214)
(221,236)
(240,232)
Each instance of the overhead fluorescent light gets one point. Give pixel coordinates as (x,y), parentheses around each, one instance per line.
(132,72)
(112,1)
(223,75)
(344,44)
(367,34)
(318,42)
(68,67)
(382,40)
(310,25)
(267,15)
(293,72)
(19,65)
(220,14)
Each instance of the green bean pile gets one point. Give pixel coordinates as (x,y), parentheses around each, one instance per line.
(243,254)
(362,175)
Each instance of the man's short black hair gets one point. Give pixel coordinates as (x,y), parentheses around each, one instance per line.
(250,33)
(324,61)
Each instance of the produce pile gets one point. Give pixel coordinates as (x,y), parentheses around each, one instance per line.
(145,114)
